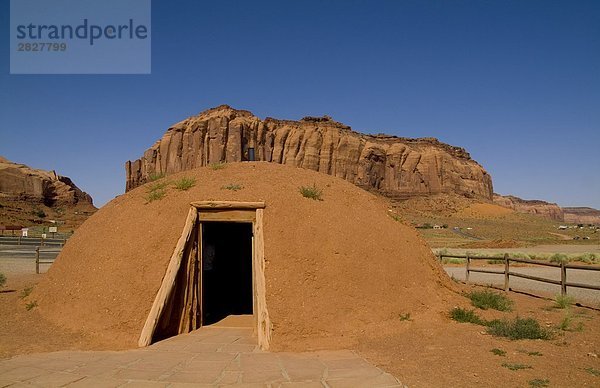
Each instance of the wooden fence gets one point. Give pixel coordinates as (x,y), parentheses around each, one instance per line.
(39,260)
(563,283)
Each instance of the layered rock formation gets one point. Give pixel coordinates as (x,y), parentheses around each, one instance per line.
(397,167)
(540,208)
(582,215)
(19,182)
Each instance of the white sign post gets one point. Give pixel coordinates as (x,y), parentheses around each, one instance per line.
(24,231)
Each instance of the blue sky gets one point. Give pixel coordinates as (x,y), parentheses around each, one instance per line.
(517,83)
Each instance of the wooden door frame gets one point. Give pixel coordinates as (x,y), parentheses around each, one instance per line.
(219,211)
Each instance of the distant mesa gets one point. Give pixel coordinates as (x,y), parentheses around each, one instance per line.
(573,215)
(394,166)
(28,195)
(536,207)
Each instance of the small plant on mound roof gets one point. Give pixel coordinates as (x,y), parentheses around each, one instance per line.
(498,352)
(232,187)
(563,301)
(2,279)
(539,383)
(217,166)
(559,258)
(405,317)
(593,371)
(155,176)
(156,195)
(312,192)
(490,300)
(29,306)
(516,366)
(519,328)
(26,291)
(184,183)
(466,316)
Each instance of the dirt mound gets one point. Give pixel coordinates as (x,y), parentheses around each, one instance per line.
(333,267)
(483,210)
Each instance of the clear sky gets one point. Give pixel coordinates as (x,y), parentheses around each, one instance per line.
(517,83)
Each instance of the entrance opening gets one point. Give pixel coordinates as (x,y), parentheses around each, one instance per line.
(226,270)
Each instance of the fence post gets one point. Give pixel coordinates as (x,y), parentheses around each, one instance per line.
(563,278)
(37,260)
(20,240)
(42,241)
(468,269)
(506,272)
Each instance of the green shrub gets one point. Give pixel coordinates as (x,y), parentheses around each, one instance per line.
(2,279)
(26,291)
(498,352)
(490,300)
(466,316)
(563,301)
(39,213)
(31,305)
(495,261)
(185,183)
(232,187)
(312,192)
(516,366)
(595,372)
(559,258)
(405,317)
(539,383)
(156,195)
(519,328)
(156,176)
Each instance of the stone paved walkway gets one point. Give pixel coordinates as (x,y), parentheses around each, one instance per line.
(211,356)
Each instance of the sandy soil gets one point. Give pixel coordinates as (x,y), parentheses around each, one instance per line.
(433,350)
(25,331)
(426,350)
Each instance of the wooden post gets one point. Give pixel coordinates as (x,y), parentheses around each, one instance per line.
(20,240)
(468,267)
(42,241)
(506,272)
(563,278)
(37,260)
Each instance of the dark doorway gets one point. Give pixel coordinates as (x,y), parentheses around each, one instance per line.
(226,270)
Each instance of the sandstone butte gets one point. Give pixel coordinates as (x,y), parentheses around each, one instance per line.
(19,182)
(395,166)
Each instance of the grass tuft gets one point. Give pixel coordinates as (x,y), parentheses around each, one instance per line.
(490,300)
(26,291)
(29,306)
(232,187)
(539,383)
(2,279)
(563,301)
(519,328)
(559,258)
(466,316)
(185,183)
(405,317)
(217,166)
(516,366)
(452,260)
(156,195)
(312,192)
(156,176)
(595,372)
(498,352)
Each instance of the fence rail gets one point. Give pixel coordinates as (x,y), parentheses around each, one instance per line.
(563,283)
(39,260)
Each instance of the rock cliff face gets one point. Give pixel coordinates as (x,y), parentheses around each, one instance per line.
(582,215)
(397,167)
(540,208)
(19,182)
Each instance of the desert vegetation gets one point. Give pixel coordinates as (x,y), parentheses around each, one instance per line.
(312,192)
(184,183)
